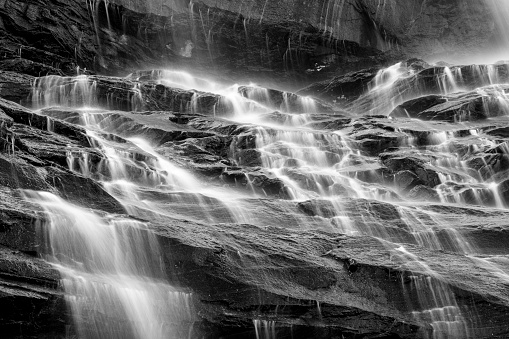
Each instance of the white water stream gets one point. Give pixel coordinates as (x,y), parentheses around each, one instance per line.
(113,274)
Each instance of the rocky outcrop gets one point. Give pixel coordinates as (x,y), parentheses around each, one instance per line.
(324,281)
(342,88)
(14,86)
(481,104)
(375,92)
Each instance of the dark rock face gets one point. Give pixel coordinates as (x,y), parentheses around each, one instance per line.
(342,88)
(418,27)
(298,40)
(111,37)
(15,87)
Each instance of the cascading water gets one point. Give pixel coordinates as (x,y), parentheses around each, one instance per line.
(400,82)
(331,169)
(111,272)
(500,12)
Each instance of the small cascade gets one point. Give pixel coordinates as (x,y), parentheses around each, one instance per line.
(459,182)
(447,82)
(385,90)
(437,302)
(312,164)
(54,90)
(139,176)
(93,9)
(245,102)
(265,329)
(112,275)
(184,80)
(500,13)
(136,98)
(399,83)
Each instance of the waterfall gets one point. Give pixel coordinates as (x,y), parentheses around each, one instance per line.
(500,13)
(332,174)
(112,274)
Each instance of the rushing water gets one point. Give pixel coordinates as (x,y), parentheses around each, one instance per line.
(117,268)
(112,274)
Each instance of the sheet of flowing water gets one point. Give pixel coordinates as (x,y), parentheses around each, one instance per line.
(314,165)
(112,274)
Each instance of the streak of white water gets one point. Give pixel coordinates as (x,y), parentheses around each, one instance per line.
(265,329)
(112,274)
(439,306)
(54,90)
(500,12)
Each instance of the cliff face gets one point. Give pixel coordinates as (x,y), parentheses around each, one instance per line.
(427,29)
(295,40)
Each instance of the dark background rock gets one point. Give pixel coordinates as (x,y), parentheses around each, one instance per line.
(298,41)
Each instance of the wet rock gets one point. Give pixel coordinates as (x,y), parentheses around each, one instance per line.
(487,165)
(423,193)
(256,180)
(284,101)
(18,222)
(383,278)
(33,304)
(503,188)
(29,67)
(454,108)
(500,132)
(24,116)
(133,94)
(341,89)
(406,180)
(14,86)
(37,159)
(417,64)
(413,108)
(293,163)
(374,141)
(332,123)
(322,208)
(472,194)
(401,162)
(313,182)
(351,265)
